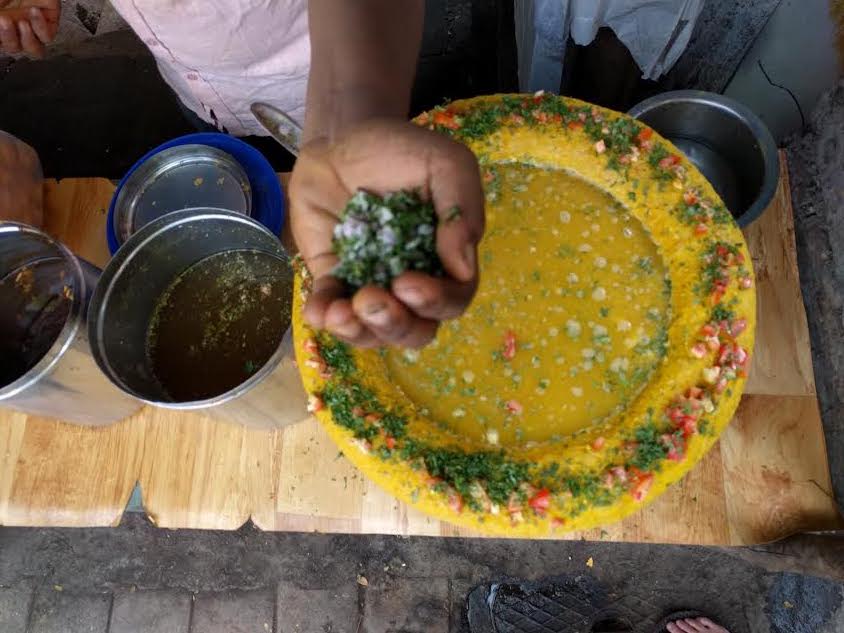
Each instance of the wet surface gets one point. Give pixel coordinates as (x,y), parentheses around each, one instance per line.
(218,323)
(36,300)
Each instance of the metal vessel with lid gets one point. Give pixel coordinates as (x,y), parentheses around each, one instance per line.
(128,298)
(46,367)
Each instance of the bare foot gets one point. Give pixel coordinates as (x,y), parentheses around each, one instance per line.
(695,625)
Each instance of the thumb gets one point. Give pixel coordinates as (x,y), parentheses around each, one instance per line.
(459,202)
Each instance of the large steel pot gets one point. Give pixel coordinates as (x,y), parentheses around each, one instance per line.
(46,366)
(725,140)
(133,283)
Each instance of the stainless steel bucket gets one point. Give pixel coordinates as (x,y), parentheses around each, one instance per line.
(133,284)
(725,140)
(46,366)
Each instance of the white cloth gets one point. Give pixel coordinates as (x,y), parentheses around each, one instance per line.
(656,32)
(219,56)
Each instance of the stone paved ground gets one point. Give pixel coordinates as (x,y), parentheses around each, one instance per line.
(140,579)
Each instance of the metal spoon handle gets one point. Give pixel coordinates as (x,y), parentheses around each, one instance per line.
(280,126)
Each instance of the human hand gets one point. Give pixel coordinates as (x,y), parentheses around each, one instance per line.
(382,156)
(28,25)
(21,182)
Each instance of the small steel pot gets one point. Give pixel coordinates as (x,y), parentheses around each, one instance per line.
(725,140)
(46,366)
(132,285)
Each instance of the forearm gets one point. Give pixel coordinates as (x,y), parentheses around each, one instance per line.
(363,61)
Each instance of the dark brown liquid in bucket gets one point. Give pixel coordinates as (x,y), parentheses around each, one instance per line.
(35,301)
(218,323)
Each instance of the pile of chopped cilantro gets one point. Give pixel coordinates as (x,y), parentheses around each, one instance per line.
(337,355)
(377,239)
(499,475)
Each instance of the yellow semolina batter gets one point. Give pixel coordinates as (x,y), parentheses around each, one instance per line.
(562,340)
(606,350)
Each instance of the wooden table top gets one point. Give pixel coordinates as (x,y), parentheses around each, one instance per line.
(767,477)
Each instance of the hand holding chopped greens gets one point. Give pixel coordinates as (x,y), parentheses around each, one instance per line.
(378,239)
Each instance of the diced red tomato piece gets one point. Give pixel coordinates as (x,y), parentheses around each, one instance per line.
(542,117)
(644,134)
(517,119)
(509,351)
(669,161)
(701,229)
(738,326)
(598,443)
(689,425)
(573,125)
(709,330)
(698,350)
(690,197)
(641,486)
(455,502)
(310,346)
(541,501)
(390,442)
(557,522)
(358,412)
(514,407)
(676,447)
(372,417)
(315,403)
(446,119)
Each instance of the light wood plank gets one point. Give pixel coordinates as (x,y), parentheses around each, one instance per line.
(67,475)
(776,479)
(782,359)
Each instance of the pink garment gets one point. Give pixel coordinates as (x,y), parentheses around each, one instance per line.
(222,55)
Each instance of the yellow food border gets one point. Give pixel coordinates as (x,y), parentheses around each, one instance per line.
(681,252)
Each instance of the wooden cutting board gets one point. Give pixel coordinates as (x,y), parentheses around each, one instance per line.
(767,478)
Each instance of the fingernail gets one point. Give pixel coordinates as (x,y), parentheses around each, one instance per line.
(469,259)
(412,296)
(377,314)
(34,13)
(349,329)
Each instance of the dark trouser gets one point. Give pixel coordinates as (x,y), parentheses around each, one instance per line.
(279,158)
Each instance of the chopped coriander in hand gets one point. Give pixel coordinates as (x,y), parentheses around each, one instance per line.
(377,239)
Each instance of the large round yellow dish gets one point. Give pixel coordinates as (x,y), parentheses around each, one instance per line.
(606,349)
